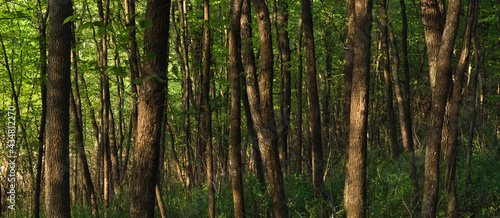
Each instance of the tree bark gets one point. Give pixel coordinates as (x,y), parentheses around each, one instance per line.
(391,117)
(299,98)
(58,88)
(439,51)
(450,129)
(313,100)
(348,68)
(355,181)
(151,108)
(261,105)
(248,60)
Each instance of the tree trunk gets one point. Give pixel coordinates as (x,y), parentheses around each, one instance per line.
(391,117)
(235,68)
(58,88)
(261,105)
(313,100)
(299,98)
(248,61)
(355,181)
(348,68)
(208,110)
(87,180)
(439,51)
(151,108)
(41,134)
(450,129)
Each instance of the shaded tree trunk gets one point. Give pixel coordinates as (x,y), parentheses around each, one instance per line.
(439,51)
(248,61)
(391,117)
(450,129)
(348,68)
(58,89)
(151,108)
(313,100)
(299,98)
(355,181)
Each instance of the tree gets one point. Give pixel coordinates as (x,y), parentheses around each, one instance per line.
(261,105)
(152,94)
(440,38)
(58,88)
(355,181)
(313,99)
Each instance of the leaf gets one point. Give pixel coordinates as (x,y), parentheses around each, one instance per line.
(148,23)
(155,76)
(101,31)
(98,23)
(68,19)
(137,81)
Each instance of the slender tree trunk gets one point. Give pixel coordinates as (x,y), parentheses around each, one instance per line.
(43,87)
(58,89)
(468,156)
(313,100)
(348,68)
(151,109)
(299,98)
(391,117)
(235,67)
(87,180)
(450,129)
(355,181)
(439,51)
(208,110)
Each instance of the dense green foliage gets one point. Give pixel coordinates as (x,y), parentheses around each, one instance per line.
(391,192)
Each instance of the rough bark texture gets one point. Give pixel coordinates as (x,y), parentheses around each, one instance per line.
(450,130)
(313,99)
(299,98)
(348,67)
(151,98)
(261,105)
(58,88)
(355,181)
(439,51)
(248,60)
(391,117)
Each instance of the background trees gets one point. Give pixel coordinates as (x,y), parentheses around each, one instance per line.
(122,110)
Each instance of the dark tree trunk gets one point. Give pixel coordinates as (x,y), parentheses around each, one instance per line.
(151,108)
(87,180)
(391,117)
(355,181)
(299,98)
(450,129)
(43,87)
(286,86)
(439,51)
(313,100)
(348,68)
(58,89)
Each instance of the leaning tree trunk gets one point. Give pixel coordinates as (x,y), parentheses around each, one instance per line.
(151,108)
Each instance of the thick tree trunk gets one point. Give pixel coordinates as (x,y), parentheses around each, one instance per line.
(439,51)
(299,98)
(151,108)
(348,68)
(58,89)
(355,181)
